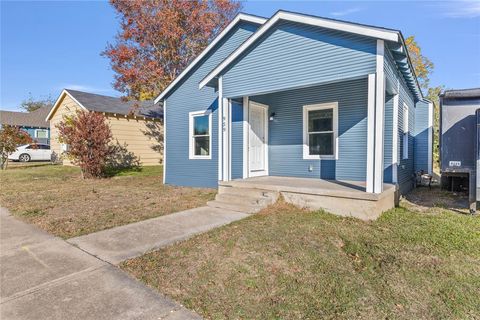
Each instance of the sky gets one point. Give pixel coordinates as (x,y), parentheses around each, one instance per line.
(48,46)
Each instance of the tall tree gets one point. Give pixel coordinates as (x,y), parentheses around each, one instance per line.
(10,138)
(32,104)
(422,65)
(158,38)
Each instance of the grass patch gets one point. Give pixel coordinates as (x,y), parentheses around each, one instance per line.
(58,200)
(286,263)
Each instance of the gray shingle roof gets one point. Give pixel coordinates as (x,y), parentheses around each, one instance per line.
(462,93)
(101,103)
(28,119)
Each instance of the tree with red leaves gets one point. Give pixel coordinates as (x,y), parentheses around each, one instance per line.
(10,138)
(88,136)
(158,39)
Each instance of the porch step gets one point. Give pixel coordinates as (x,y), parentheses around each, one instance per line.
(249,200)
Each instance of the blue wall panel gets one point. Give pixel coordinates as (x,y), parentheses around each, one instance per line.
(293,55)
(421,144)
(187,98)
(237,140)
(286,131)
(388,140)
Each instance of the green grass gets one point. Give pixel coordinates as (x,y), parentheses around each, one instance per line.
(287,263)
(58,200)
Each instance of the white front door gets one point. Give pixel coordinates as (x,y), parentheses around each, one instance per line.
(257,140)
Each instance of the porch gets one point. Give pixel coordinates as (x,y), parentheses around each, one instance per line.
(344,198)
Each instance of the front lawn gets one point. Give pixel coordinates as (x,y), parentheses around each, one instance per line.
(56,199)
(287,263)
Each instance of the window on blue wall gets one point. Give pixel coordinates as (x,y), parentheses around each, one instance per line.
(200,135)
(320,130)
(405,131)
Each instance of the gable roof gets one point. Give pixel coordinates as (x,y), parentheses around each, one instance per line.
(26,119)
(240,17)
(107,104)
(390,35)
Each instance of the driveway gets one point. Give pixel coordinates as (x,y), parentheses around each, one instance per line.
(44,277)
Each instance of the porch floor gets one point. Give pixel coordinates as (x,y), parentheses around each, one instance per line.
(330,188)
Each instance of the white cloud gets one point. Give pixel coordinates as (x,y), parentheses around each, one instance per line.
(345,12)
(461,9)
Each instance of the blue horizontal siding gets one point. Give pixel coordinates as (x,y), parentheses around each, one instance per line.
(185,98)
(294,55)
(286,131)
(388,140)
(237,140)
(421,140)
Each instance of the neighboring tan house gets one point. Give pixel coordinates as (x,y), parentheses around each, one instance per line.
(33,123)
(325,111)
(136,126)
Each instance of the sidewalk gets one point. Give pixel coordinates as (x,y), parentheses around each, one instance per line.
(44,277)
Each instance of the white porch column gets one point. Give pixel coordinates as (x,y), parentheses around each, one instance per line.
(376,123)
(220,129)
(379,118)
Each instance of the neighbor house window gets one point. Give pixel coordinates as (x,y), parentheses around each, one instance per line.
(405,131)
(41,133)
(320,131)
(200,135)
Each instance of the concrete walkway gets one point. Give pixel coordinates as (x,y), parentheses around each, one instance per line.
(132,240)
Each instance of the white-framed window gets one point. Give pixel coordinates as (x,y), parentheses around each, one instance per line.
(320,131)
(41,133)
(200,135)
(405,131)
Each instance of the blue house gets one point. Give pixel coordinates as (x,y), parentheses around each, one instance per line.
(299,104)
(31,122)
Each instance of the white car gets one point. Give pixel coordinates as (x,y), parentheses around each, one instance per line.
(31,152)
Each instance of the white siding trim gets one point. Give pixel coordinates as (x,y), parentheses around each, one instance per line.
(305,19)
(226,141)
(405,131)
(306,149)
(229,103)
(430,138)
(164,141)
(370,133)
(379,118)
(395,137)
(246,129)
(191,151)
(238,18)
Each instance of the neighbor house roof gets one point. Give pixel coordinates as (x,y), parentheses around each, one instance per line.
(390,35)
(26,119)
(240,17)
(461,94)
(107,104)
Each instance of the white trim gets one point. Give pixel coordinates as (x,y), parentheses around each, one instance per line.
(246,130)
(264,172)
(191,152)
(379,118)
(220,129)
(430,138)
(321,106)
(370,133)
(238,18)
(165,140)
(395,137)
(300,18)
(229,139)
(57,104)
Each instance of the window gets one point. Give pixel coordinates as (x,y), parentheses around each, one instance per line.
(41,133)
(200,135)
(320,131)
(405,131)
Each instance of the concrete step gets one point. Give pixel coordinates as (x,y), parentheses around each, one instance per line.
(245,208)
(249,192)
(242,199)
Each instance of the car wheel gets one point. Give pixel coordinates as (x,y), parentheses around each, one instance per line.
(24,157)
